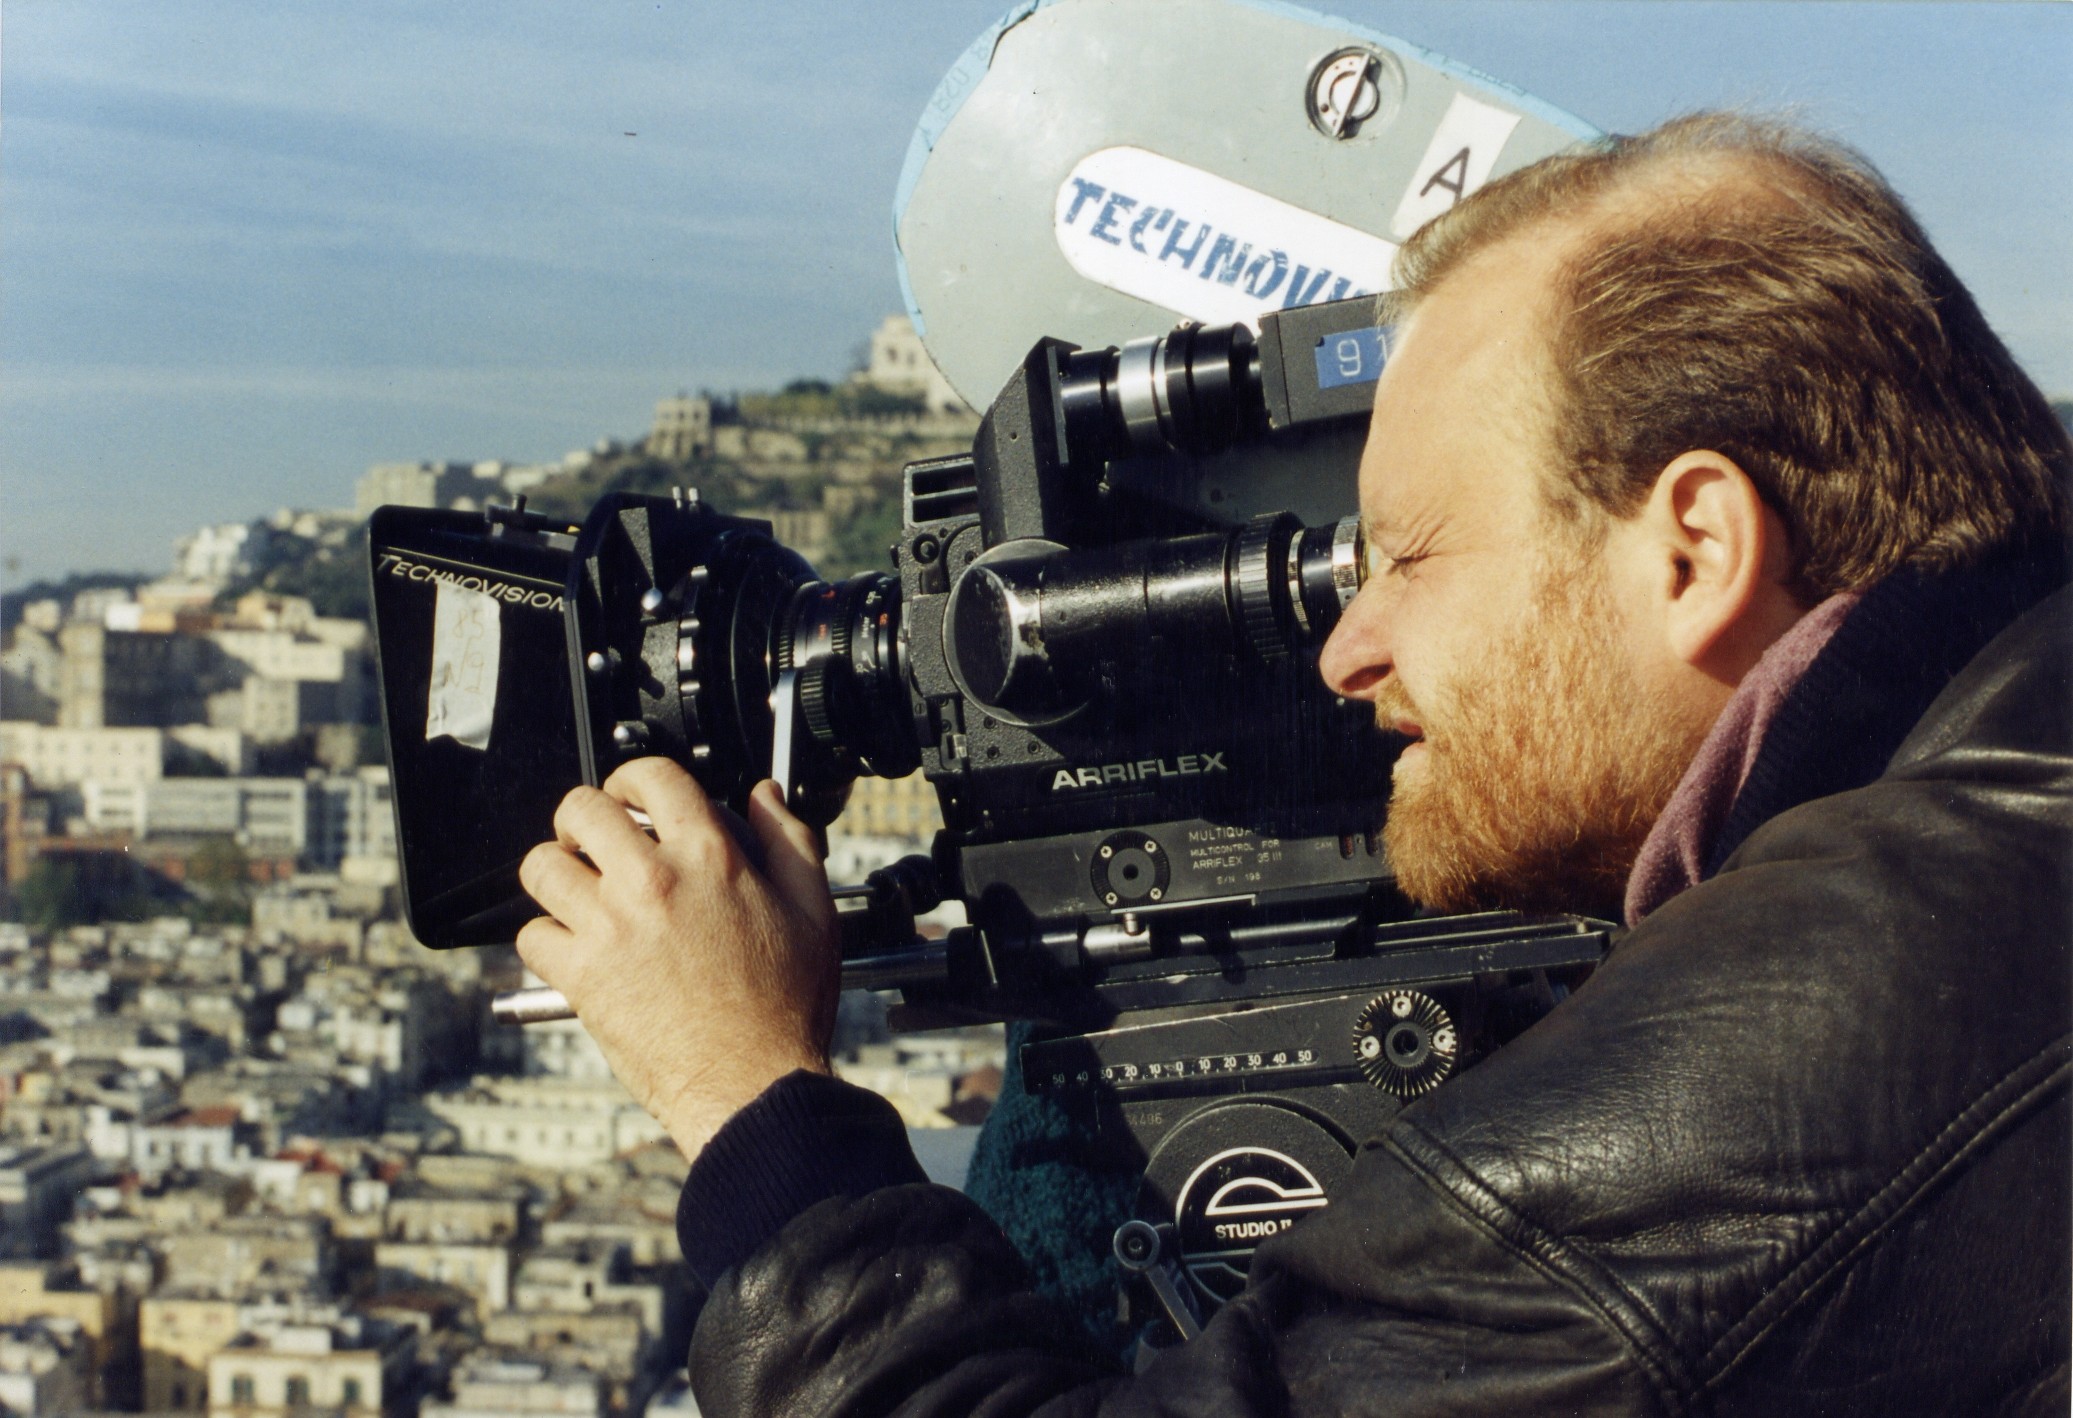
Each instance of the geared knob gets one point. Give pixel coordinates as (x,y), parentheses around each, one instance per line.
(823,693)
(1260,593)
(1405,1043)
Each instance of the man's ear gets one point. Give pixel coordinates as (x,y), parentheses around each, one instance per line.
(1716,558)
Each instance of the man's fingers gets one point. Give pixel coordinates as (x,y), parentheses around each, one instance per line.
(671,797)
(791,849)
(543,944)
(564,886)
(595,823)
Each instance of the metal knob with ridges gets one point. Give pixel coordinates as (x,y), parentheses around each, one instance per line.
(1258,591)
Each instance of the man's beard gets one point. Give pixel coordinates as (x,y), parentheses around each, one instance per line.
(1543,768)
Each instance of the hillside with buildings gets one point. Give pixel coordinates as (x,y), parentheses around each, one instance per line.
(260,1151)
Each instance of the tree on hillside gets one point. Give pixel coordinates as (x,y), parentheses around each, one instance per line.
(219,882)
(49,898)
(862,541)
(333,579)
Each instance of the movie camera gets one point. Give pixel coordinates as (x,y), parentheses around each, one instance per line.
(1161,823)
(1098,635)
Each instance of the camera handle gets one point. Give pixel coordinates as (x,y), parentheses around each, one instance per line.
(1143,1249)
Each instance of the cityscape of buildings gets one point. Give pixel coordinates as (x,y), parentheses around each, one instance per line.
(261,1152)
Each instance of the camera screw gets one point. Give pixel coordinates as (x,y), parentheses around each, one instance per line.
(1348,89)
(1110,898)
(1137,1244)
(1157,894)
(601,662)
(651,600)
(1107,852)
(926,550)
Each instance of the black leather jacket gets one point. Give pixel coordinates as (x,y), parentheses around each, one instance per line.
(1801,1146)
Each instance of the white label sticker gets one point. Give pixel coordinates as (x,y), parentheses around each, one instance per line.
(1205,247)
(1458,160)
(466,642)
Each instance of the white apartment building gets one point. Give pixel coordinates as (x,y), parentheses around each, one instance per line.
(222,552)
(323,821)
(68,757)
(351,1367)
(514,1388)
(116,759)
(419,485)
(546,1122)
(264,815)
(195,1140)
(480,1269)
(352,818)
(291,679)
(46,1368)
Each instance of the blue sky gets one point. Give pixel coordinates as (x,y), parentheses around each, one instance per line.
(249,247)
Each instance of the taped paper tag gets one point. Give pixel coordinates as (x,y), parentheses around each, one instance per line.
(467,639)
(1457,161)
(1203,246)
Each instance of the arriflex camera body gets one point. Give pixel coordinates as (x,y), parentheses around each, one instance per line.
(1161,823)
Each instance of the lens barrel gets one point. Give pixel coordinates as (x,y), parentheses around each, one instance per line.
(1030,623)
(1195,389)
(843,639)
(744,612)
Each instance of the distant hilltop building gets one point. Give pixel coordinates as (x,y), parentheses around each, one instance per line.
(900,364)
(222,552)
(683,428)
(422,485)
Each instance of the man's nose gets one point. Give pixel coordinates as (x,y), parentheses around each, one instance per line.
(1355,659)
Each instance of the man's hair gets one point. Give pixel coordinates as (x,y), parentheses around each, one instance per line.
(1746,287)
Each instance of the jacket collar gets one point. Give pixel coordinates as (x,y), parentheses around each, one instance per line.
(1846,717)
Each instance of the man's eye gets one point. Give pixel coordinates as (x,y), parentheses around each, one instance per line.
(1377,563)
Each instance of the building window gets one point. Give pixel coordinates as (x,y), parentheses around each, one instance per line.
(298,1395)
(240,1388)
(349,1392)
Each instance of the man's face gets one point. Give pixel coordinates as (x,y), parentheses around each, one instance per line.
(1488,631)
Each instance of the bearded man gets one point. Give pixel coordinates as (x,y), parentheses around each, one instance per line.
(1716,546)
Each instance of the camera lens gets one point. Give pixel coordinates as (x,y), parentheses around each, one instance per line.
(1195,389)
(703,652)
(1031,625)
(843,639)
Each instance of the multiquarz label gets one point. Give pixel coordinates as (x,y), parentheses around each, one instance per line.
(1203,246)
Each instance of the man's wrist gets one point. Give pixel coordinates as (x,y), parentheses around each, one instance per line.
(705,1103)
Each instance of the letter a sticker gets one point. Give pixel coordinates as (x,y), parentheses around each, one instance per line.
(1457,161)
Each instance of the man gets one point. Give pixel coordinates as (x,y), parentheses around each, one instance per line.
(1715,544)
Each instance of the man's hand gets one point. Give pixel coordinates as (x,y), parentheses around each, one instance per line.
(701,978)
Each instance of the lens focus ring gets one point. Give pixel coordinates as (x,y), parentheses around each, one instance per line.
(1259,592)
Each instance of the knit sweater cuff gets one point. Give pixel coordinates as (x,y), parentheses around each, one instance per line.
(805,1138)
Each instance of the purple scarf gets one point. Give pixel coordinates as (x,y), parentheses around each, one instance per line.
(1673,857)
